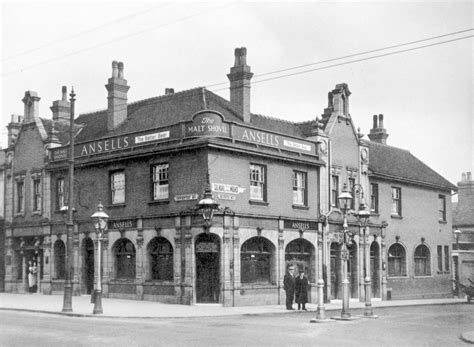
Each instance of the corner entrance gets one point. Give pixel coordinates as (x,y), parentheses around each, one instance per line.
(207,268)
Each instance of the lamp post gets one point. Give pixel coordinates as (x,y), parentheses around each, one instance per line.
(67,302)
(363,217)
(345,199)
(456,233)
(99,218)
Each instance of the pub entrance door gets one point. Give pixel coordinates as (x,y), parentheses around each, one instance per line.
(88,253)
(207,268)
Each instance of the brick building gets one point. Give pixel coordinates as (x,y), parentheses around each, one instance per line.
(463,221)
(277,183)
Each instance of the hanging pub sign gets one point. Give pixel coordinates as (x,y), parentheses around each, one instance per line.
(206,123)
(300,225)
(122,224)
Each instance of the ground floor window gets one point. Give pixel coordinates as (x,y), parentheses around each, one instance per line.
(396,260)
(256,260)
(160,259)
(422,261)
(124,252)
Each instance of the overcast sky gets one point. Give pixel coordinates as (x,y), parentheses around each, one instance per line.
(426,94)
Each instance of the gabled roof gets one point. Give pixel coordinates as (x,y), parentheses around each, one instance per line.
(396,163)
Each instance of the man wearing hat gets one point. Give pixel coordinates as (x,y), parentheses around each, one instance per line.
(289,287)
(301,290)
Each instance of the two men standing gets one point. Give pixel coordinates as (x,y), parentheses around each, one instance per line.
(295,287)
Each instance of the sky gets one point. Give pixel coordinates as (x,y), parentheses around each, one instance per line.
(425,93)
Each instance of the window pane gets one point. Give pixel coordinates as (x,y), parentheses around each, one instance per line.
(257,182)
(255,260)
(118,187)
(446,258)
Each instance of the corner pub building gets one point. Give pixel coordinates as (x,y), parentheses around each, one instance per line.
(276,182)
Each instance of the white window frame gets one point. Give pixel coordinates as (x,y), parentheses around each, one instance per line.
(396,206)
(36,194)
(60,198)
(299,188)
(257,182)
(20,196)
(117,187)
(160,181)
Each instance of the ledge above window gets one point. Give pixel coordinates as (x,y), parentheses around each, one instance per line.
(441,221)
(116,205)
(159,202)
(300,207)
(396,216)
(258,202)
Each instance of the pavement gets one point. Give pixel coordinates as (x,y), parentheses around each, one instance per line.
(117,308)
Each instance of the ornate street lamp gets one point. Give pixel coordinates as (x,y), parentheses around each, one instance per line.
(207,206)
(345,199)
(99,218)
(363,217)
(67,301)
(457,233)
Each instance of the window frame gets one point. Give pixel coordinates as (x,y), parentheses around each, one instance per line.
(20,196)
(156,183)
(447,259)
(425,259)
(112,188)
(59,259)
(261,181)
(265,256)
(154,253)
(392,259)
(334,190)
(442,208)
(396,204)
(122,270)
(303,189)
(60,197)
(439,256)
(36,196)
(352,183)
(374,197)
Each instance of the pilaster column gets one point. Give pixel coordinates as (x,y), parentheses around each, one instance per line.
(140,259)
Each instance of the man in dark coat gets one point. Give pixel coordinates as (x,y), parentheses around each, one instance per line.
(289,287)
(301,290)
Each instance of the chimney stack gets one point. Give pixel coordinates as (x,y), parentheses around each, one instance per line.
(14,128)
(117,97)
(169,91)
(31,101)
(62,108)
(239,77)
(378,133)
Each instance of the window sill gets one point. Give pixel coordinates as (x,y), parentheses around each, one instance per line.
(159,282)
(159,202)
(442,222)
(19,214)
(37,213)
(423,276)
(397,277)
(258,202)
(300,207)
(396,216)
(116,205)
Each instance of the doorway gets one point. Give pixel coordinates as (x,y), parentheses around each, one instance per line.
(88,275)
(207,268)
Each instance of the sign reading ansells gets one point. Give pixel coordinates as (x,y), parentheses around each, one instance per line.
(122,224)
(300,225)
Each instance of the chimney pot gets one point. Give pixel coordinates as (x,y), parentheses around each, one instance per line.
(120,70)
(381,121)
(463,177)
(64,93)
(374,126)
(114,69)
(468,176)
(239,77)
(169,91)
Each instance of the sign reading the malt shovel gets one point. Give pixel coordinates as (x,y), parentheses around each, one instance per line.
(206,123)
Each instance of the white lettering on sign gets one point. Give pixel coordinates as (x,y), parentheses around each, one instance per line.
(227,188)
(152,137)
(261,137)
(105,145)
(185,197)
(297,145)
(300,226)
(226,197)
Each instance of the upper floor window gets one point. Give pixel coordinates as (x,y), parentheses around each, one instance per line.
(60,200)
(20,196)
(117,187)
(334,190)
(36,195)
(396,201)
(446,258)
(374,197)
(422,261)
(160,181)
(257,182)
(442,207)
(299,188)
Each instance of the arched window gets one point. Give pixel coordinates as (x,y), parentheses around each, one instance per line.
(300,254)
(396,260)
(59,259)
(160,259)
(256,261)
(124,251)
(422,261)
